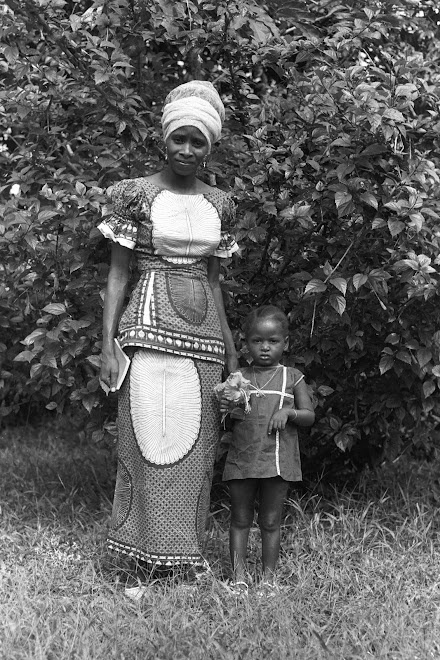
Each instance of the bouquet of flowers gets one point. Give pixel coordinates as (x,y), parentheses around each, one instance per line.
(235,391)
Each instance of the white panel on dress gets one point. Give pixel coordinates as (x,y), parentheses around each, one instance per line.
(188,221)
(165,400)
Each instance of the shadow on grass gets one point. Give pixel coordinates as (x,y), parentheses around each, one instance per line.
(48,472)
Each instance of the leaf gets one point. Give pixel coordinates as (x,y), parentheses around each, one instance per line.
(369,199)
(55,308)
(80,188)
(89,401)
(95,360)
(48,361)
(393,338)
(359,279)
(436,370)
(340,283)
(408,89)
(428,388)
(404,356)
(315,286)
(51,406)
(345,439)
(101,76)
(394,115)
(338,303)
(343,201)
(424,355)
(395,227)
(335,423)
(36,370)
(35,334)
(374,150)
(47,214)
(325,390)
(24,356)
(386,363)
(393,206)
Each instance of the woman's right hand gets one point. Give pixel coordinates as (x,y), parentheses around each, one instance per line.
(109,370)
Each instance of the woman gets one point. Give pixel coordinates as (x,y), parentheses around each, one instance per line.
(175,327)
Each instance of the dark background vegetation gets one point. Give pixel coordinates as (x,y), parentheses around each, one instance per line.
(331,147)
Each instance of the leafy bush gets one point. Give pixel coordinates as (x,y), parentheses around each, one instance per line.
(331,147)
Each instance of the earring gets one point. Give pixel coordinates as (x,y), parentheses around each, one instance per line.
(204,163)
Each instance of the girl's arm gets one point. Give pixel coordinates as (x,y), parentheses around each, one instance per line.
(305,414)
(302,415)
(214,283)
(113,301)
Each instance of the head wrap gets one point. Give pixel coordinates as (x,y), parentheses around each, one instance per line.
(195,103)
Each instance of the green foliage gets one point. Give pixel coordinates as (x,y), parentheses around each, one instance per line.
(331,147)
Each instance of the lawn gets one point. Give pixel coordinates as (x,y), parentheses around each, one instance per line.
(360,567)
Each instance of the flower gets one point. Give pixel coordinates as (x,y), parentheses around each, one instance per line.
(236,391)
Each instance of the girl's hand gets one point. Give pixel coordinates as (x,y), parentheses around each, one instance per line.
(109,370)
(279,420)
(224,405)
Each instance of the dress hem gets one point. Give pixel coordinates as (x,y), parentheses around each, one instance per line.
(156,559)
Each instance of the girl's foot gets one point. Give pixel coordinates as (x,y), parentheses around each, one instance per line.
(268,589)
(238,588)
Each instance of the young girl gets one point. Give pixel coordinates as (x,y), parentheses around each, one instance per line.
(264,453)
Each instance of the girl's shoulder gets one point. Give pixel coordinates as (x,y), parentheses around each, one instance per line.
(294,376)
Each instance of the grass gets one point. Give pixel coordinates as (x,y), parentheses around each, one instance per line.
(361,570)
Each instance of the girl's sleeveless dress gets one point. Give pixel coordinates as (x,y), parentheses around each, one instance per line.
(253,453)
(167,414)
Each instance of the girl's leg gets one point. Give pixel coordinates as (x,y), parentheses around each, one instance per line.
(242,493)
(273,492)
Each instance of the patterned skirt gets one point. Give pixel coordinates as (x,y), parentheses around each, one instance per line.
(168,422)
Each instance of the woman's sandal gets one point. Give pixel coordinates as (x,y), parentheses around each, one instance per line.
(135,593)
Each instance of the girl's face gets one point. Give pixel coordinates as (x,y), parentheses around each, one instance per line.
(186,149)
(266,342)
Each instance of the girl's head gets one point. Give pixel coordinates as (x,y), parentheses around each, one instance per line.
(266,331)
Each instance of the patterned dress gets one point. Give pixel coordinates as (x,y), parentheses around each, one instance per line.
(167,414)
(253,453)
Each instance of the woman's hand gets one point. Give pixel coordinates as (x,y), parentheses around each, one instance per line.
(231,364)
(109,370)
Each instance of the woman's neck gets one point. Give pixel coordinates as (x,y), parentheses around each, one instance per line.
(186,185)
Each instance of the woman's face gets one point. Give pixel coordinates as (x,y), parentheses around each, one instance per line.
(186,149)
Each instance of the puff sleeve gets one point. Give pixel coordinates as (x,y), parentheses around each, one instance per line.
(227,245)
(122,225)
